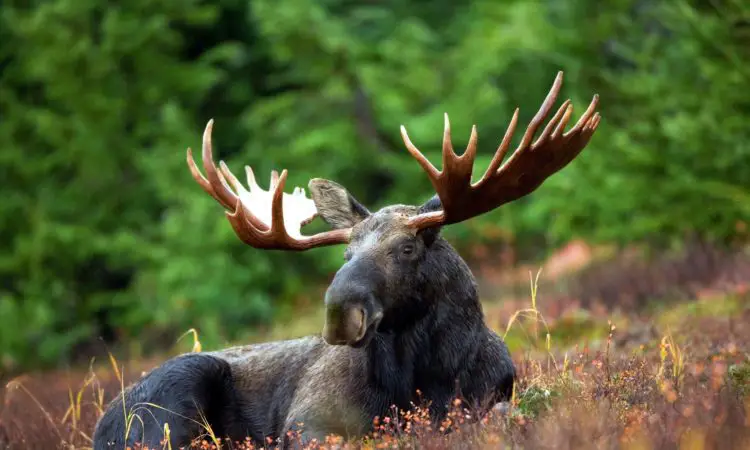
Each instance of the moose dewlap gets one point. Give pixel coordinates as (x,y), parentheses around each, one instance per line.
(402,313)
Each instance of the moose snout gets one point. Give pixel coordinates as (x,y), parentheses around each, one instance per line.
(345,324)
(353,311)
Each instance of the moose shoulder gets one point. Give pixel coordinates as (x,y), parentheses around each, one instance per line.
(402,313)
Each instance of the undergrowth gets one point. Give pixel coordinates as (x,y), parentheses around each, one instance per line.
(689,388)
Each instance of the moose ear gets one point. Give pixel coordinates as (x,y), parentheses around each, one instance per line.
(336,206)
(430,234)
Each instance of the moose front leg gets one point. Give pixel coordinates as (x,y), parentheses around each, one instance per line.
(322,416)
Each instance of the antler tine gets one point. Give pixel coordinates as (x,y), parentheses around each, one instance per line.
(502,149)
(432,172)
(202,181)
(559,120)
(543,111)
(278,228)
(219,185)
(589,122)
(449,155)
(585,117)
(235,182)
(457,169)
(223,194)
(564,122)
(471,147)
(251,183)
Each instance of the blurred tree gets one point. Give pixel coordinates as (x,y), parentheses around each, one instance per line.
(92,95)
(670,156)
(104,233)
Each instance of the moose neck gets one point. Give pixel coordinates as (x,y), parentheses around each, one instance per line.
(433,335)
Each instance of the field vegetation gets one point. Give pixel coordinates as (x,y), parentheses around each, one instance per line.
(668,374)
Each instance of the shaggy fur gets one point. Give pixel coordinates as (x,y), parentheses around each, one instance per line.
(418,326)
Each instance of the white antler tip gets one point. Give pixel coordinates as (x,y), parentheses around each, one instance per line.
(405,135)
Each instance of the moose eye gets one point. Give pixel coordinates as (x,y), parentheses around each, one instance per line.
(407,249)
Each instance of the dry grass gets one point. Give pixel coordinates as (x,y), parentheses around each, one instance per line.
(683,383)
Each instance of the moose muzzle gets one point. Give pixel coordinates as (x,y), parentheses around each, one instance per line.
(352,310)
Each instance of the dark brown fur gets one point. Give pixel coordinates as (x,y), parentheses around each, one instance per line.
(405,314)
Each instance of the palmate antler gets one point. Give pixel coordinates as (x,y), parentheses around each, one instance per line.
(262,219)
(273,219)
(526,169)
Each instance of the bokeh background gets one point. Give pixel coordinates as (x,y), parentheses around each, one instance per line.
(107,244)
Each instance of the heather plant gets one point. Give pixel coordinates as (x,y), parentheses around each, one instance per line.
(686,389)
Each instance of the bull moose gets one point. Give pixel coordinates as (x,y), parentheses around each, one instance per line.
(402,314)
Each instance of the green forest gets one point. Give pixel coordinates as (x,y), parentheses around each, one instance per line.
(105,238)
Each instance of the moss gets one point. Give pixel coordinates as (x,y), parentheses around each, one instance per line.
(535,400)
(715,306)
(739,376)
(575,328)
(564,332)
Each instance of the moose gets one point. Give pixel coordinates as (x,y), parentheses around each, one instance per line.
(403,321)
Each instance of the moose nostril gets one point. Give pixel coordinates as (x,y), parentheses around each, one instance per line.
(361,326)
(353,323)
(344,324)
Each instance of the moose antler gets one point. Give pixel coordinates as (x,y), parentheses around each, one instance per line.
(526,169)
(262,219)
